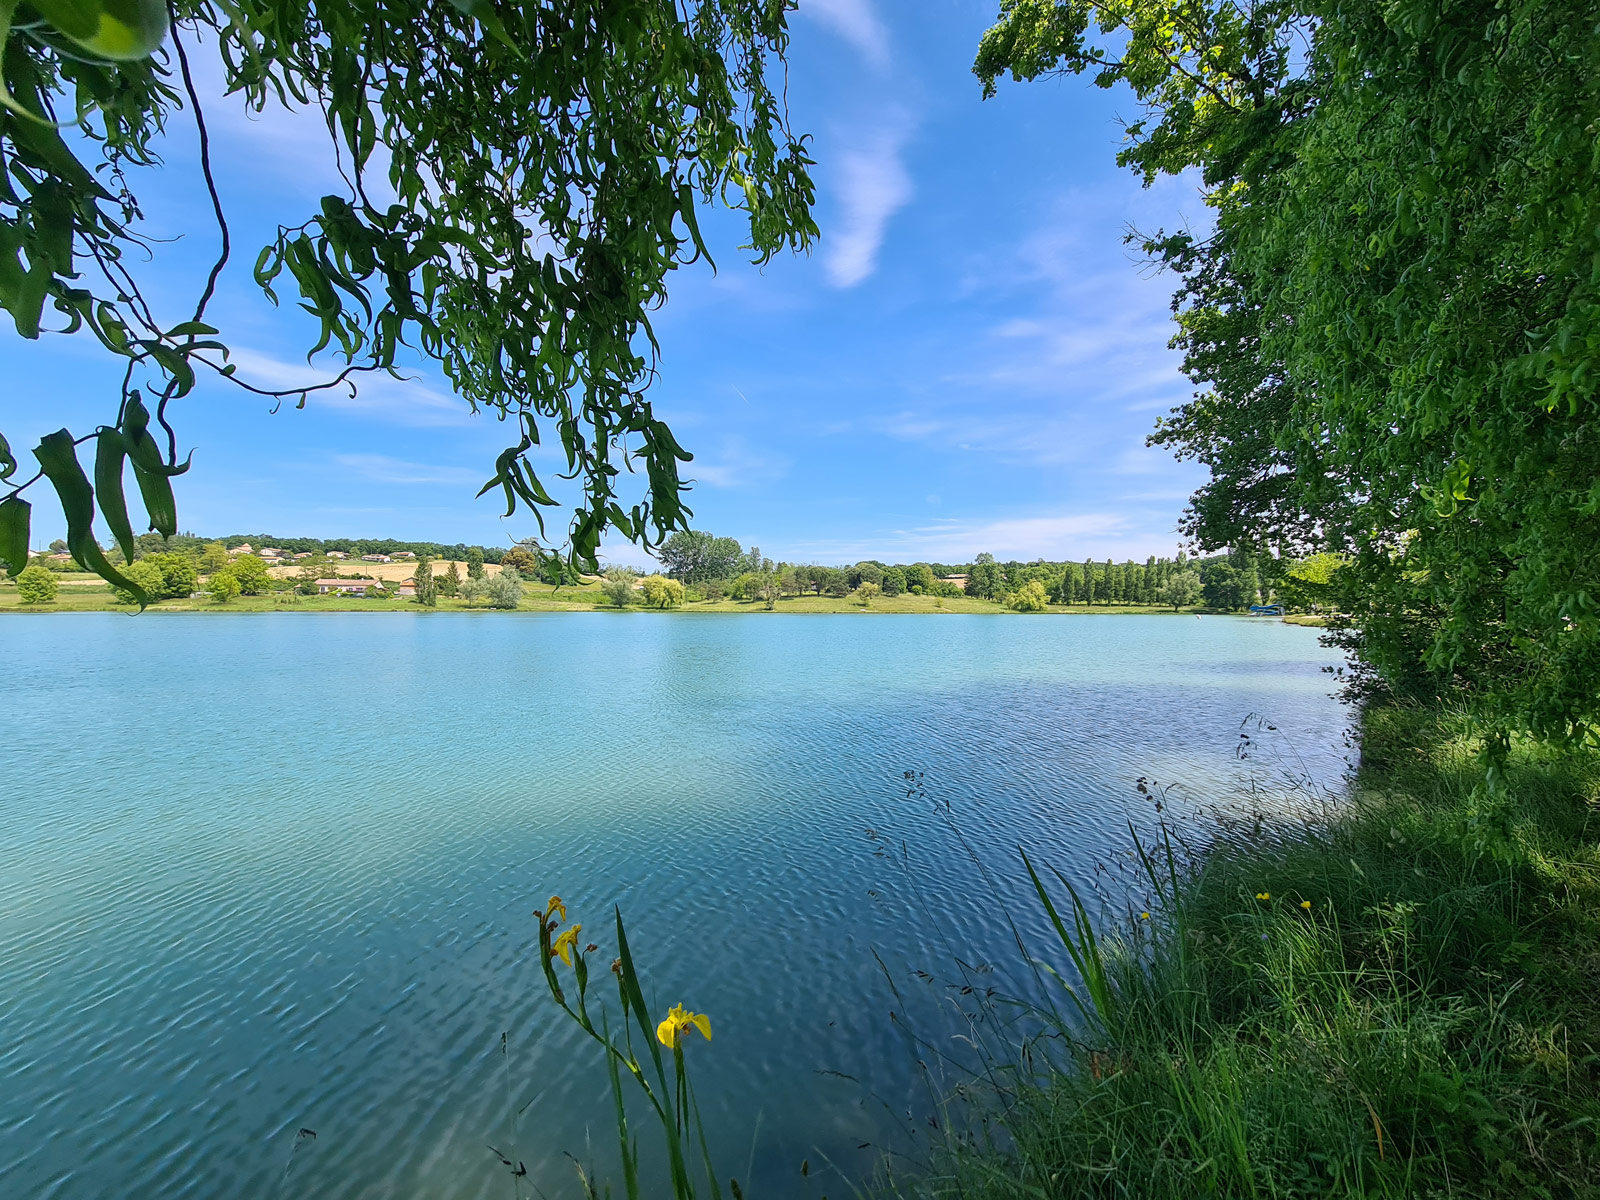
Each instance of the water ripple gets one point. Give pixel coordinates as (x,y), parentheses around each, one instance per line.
(268,873)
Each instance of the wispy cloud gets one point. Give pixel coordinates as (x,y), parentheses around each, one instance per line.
(1053,536)
(1172,496)
(857,22)
(734,464)
(1142,460)
(381,468)
(873,185)
(405,401)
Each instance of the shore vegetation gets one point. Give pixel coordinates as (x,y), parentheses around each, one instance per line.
(1392,1000)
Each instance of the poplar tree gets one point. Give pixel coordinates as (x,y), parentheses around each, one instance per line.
(427,591)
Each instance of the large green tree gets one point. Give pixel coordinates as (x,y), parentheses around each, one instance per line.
(983,579)
(252,573)
(541,172)
(695,557)
(1395,322)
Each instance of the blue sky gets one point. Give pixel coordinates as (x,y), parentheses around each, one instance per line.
(970,360)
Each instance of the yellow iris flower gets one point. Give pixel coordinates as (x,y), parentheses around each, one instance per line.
(678,1023)
(1305,904)
(565,944)
(554,906)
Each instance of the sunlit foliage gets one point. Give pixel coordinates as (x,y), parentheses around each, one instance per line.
(1393,323)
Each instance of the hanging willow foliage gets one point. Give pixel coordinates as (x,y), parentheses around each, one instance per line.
(542,165)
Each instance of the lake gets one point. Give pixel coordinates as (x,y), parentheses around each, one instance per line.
(261,873)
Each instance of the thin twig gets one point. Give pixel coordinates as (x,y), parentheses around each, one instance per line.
(205,170)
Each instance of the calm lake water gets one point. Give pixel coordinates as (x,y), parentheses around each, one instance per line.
(265,873)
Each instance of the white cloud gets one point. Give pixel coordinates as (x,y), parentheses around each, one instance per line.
(873,184)
(857,22)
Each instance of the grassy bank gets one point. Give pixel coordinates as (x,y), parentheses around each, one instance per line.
(90,595)
(1404,1002)
(1315,622)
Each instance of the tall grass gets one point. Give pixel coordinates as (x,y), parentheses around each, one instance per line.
(1401,1002)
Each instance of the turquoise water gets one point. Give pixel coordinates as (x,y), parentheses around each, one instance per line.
(265,873)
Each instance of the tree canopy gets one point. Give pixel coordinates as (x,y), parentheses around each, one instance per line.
(694,556)
(540,172)
(1393,324)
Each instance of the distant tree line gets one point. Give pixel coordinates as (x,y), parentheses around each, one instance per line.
(712,567)
(701,566)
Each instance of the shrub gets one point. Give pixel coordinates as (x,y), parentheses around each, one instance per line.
(1030,597)
(35,585)
(179,575)
(866,591)
(505,589)
(144,573)
(223,585)
(618,586)
(661,592)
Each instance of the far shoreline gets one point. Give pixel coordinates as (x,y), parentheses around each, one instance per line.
(84,594)
(699,609)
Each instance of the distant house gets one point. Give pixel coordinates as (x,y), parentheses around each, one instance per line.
(347,587)
(243,548)
(403,554)
(306,554)
(376,558)
(334,554)
(407,587)
(270,552)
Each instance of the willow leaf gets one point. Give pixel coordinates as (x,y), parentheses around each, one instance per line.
(15,519)
(58,458)
(111,450)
